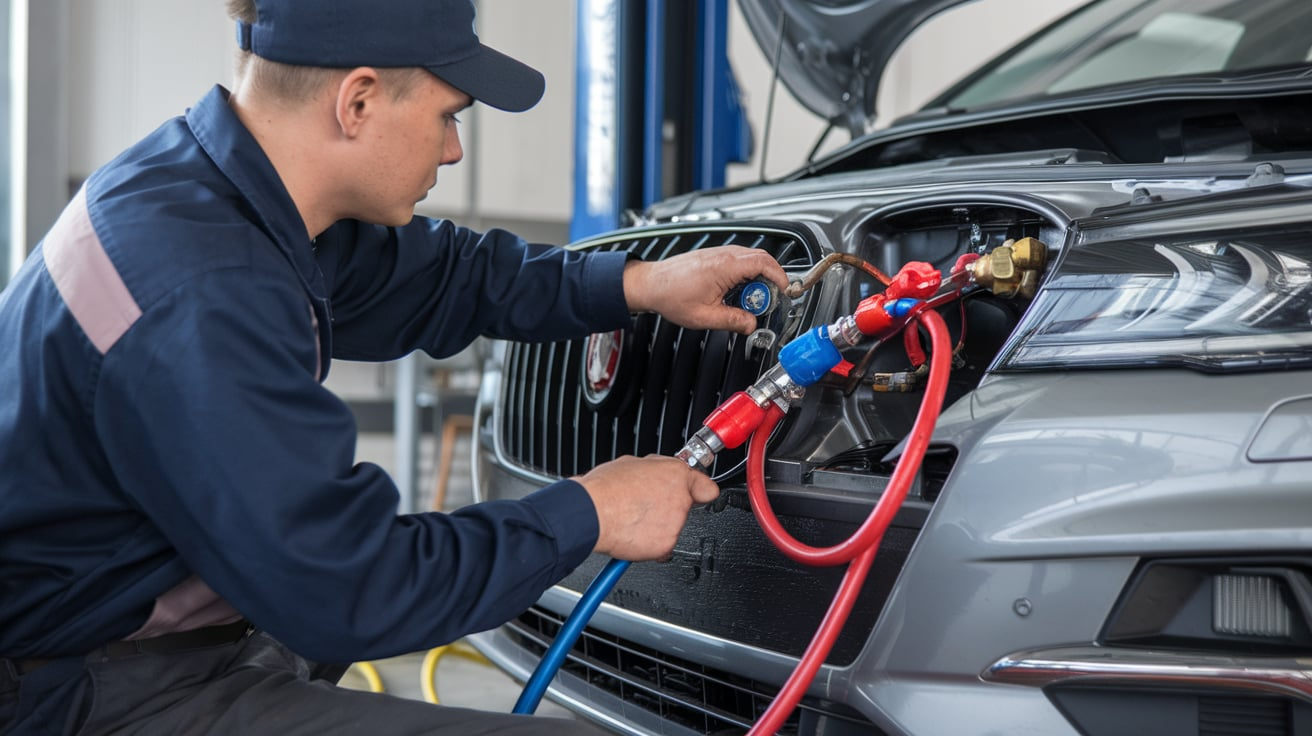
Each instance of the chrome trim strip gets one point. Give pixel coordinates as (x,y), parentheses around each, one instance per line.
(1102,666)
(489,388)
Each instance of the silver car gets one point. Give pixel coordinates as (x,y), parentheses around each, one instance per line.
(1111,530)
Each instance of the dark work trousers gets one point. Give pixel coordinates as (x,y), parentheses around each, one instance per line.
(252,687)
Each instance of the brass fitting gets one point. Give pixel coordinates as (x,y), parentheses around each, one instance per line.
(906,381)
(1013,268)
(901,382)
(1029,254)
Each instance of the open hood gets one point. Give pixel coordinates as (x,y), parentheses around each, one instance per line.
(833,52)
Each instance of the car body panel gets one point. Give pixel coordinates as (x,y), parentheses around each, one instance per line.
(1073,466)
(1003,591)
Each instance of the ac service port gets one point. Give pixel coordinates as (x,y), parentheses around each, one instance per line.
(1006,250)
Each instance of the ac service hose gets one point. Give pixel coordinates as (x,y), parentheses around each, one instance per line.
(754,413)
(860,548)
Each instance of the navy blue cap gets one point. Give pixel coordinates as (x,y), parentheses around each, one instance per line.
(437,35)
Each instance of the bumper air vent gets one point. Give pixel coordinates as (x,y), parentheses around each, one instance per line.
(1115,711)
(1239,605)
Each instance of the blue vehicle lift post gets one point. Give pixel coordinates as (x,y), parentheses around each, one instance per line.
(657,109)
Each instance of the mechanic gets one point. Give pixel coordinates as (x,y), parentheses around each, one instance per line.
(185,538)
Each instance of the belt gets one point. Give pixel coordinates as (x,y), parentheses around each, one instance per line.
(209,636)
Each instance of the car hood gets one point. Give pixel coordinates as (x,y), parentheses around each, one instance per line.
(832,53)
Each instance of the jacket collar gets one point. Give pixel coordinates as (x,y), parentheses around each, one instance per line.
(239,156)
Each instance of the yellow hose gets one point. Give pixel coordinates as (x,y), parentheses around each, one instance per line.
(428,670)
(370,674)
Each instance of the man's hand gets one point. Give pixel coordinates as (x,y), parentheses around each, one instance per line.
(688,289)
(642,504)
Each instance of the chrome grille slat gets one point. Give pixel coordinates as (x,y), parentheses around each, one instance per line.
(577,431)
(532,414)
(647,252)
(672,379)
(711,376)
(738,374)
(519,401)
(659,364)
(563,448)
(672,248)
(548,379)
(570,365)
(688,352)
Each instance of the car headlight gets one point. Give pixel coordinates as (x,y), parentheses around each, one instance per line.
(1223,302)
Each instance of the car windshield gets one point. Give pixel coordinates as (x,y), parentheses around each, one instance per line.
(1112,42)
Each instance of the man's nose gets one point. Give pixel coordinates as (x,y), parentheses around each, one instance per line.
(453,151)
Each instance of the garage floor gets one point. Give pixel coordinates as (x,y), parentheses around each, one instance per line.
(458,681)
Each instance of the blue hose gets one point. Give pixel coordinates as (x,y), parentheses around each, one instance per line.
(554,657)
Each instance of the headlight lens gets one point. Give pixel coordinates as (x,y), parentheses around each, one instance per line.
(1227,302)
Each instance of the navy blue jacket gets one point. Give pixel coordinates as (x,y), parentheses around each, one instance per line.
(162,413)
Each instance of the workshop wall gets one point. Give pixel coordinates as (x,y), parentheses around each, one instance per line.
(135,63)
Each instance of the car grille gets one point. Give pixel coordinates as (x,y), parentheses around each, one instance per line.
(669,378)
(699,698)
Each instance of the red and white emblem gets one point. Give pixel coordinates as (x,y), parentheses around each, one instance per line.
(601,363)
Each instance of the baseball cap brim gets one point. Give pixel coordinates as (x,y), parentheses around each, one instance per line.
(495,79)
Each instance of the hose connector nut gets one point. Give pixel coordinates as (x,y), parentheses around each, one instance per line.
(776,386)
(697,452)
(845,332)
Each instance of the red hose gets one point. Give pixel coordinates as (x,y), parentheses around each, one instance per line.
(860,548)
(818,650)
(891,500)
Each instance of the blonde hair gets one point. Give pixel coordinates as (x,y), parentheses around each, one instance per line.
(296,83)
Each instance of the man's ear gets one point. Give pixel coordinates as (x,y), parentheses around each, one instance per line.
(357,95)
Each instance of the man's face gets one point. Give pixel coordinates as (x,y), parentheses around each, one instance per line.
(415,135)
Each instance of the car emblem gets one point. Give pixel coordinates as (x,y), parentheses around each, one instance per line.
(601,364)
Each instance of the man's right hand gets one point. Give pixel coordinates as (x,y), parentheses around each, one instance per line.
(642,504)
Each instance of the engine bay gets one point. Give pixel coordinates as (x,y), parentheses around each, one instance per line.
(850,424)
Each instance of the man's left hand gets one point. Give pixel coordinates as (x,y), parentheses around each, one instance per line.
(689,289)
